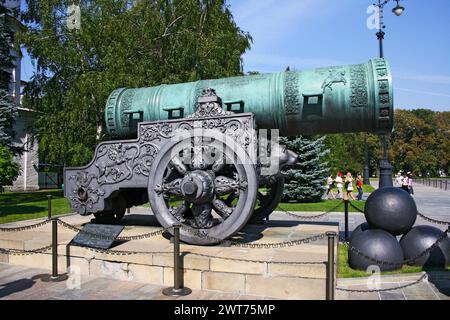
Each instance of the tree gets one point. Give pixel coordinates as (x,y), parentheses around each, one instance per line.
(7,107)
(9,169)
(120,44)
(307,178)
(420,141)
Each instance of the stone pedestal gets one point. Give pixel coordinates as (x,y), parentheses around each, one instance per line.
(268,272)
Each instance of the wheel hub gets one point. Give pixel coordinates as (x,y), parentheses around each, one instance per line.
(198,186)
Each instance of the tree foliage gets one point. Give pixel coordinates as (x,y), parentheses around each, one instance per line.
(419,143)
(120,44)
(9,169)
(306,182)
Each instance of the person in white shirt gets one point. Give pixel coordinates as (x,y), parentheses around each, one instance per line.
(399,179)
(330,183)
(339,185)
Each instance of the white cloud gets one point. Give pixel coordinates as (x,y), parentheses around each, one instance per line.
(431,93)
(437,79)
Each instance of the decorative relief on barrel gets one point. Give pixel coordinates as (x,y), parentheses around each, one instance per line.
(126,102)
(291,93)
(384,113)
(334,76)
(110,107)
(358,86)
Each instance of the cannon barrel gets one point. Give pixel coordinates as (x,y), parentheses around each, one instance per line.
(352,98)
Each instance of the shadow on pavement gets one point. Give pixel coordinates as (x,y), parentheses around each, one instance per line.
(18,285)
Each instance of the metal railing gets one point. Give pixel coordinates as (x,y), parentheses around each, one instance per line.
(439,183)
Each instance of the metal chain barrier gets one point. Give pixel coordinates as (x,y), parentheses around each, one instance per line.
(24,228)
(25,252)
(259,261)
(310,217)
(424,276)
(124,252)
(432,220)
(255,245)
(355,207)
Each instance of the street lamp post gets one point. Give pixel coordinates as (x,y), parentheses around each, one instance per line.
(384,165)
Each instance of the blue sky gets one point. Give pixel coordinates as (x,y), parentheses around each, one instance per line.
(314,33)
(311,33)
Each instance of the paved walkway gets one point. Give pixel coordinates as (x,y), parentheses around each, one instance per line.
(21,283)
(435,287)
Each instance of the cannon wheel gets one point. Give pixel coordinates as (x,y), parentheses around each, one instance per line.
(190,181)
(269,200)
(112,216)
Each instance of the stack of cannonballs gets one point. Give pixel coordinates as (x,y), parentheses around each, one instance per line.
(390,213)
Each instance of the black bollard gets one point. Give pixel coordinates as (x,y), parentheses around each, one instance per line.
(177,289)
(49,206)
(330,266)
(55,277)
(346,218)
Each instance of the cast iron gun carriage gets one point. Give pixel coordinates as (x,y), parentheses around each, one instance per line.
(194,152)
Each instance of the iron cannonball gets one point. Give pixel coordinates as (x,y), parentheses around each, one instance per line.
(376,244)
(361,228)
(420,238)
(391,209)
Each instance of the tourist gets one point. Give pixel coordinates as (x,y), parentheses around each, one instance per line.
(405,184)
(339,185)
(410,183)
(359,183)
(399,179)
(349,186)
(330,183)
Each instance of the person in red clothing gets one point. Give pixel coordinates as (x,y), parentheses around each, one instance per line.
(359,184)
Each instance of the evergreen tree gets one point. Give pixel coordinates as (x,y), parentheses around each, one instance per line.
(307,178)
(9,170)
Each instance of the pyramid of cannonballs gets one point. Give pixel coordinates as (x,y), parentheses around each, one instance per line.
(390,213)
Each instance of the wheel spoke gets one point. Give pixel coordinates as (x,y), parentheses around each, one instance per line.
(178,164)
(178,212)
(202,215)
(224,185)
(218,164)
(221,208)
(172,187)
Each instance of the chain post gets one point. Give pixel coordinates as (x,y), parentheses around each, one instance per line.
(346,218)
(55,277)
(178,289)
(330,266)
(49,206)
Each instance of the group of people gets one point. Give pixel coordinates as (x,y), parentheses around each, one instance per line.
(346,184)
(405,181)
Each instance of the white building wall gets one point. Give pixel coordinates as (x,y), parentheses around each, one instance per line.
(28,179)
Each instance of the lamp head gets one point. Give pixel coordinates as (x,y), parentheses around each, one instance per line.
(398,10)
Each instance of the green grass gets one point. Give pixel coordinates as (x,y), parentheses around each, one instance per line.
(16,206)
(322,206)
(344,270)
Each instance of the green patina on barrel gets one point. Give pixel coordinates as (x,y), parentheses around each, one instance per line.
(353,98)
